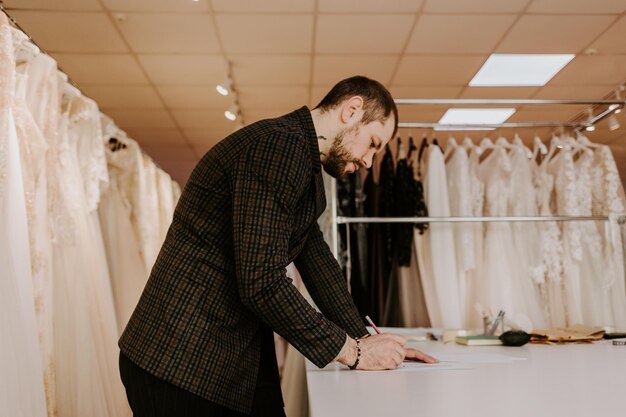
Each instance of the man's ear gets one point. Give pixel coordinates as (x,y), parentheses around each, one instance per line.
(351,110)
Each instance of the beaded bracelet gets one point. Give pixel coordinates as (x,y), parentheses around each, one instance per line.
(358,354)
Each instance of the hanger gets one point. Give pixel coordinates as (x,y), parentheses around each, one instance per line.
(468,143)
(584,141)
(412,147)
(538,146)
(555,143)
(485,143)
(26,52)
(503,143)
(423,146)
(451,145)
(517,141)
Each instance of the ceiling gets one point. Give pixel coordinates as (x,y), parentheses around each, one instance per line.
(152,65)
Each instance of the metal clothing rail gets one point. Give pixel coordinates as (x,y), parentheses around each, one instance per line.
(491,126)
(473,101)
(613,105)
(492,219)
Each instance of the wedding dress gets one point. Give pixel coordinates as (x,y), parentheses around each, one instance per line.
(507,286)
(22,383)
(551,247)
(437,260)
(126,265)
(608,200)
(458,176)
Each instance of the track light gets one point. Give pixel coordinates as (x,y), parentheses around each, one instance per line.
(224,88)
(590,127)
(618,96)
(232,112)
(613,122)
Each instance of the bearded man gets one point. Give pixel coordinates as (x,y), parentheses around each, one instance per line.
(200,340)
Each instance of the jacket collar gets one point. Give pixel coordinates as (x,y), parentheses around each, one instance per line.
(304,115)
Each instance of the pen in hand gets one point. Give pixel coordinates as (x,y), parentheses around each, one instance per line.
(372,324)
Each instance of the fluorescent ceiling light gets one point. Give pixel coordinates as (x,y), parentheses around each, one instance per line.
(520,70)
(469,117)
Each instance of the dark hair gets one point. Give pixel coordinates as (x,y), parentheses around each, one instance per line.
(377,101)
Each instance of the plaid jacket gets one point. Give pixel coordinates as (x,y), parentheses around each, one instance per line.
(248,210)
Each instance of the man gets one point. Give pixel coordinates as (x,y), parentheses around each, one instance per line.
(200,341)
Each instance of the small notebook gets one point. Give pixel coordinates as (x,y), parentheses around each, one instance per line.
(481,340)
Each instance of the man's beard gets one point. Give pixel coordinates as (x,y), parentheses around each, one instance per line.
(338,157)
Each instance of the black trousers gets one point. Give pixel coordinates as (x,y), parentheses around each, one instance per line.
(150,396)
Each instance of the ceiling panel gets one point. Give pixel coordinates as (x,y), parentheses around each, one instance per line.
(155,135)
(535,114)
(592,70)
(330,69)
(156,5)
(362,6)
(255,114)
(82,31)
(558,34)
(142,119)
(82,5)
(474,6)
(581,92)
(437,70)
(267,6)
(262,34)
(170,33)
(185,69)
(175,152)
(273,97)
(203,119)
(362,34)
(202,148)
(612,41)
(499,92)
(444,34)
(577,6)
(101,69)
(419,114)
(404,91)
(122,97)
(317,94)
(208,136)
(271,69)
(194,97)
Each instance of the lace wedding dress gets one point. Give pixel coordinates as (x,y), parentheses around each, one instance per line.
(22,381)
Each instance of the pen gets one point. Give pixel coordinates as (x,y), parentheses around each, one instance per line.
(494,325)
(372,324)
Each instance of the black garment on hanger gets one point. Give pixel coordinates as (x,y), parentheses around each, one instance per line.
(355,265)
(379,203)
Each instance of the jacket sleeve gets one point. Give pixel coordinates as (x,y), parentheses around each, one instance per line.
(262,223)
(325,282)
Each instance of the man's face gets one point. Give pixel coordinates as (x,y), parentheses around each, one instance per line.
(355,147)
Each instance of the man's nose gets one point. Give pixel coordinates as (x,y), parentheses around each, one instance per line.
(367,161)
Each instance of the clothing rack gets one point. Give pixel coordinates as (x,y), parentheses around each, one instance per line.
(612,105)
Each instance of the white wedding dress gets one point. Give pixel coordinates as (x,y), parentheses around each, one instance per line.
(551,246)
(126,265)
(507,285)
(609,200)
(459,189)
(21,371)
(436,251)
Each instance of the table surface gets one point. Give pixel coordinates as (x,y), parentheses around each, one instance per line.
(540,380)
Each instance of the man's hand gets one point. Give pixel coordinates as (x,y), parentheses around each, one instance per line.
(382,351)
(416,355)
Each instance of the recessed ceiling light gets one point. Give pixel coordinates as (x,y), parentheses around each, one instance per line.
(469,117)
(519,70)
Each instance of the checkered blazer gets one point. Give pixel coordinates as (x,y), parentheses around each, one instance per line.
(247,211)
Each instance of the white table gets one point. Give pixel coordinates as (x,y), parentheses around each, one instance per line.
(569,381)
